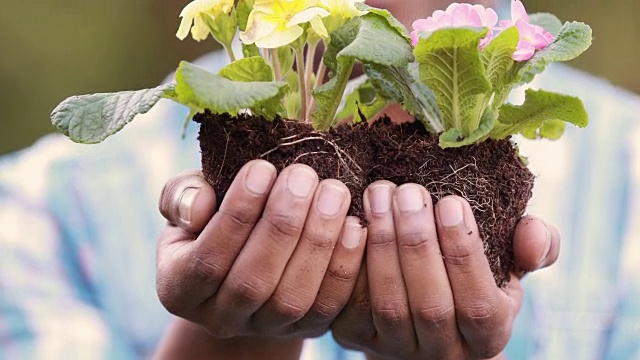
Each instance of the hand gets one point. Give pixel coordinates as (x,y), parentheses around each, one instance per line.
(279,258)
(427,291)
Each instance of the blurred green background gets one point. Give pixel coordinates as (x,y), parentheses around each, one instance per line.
(54,49)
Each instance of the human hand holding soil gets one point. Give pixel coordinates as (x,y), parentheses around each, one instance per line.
(427,290)
(415,314)
(279,257)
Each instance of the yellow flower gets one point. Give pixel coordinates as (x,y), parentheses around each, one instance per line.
(196,12)
(275,23)
(343,8)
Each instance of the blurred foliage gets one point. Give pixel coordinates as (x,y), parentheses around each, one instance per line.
(53,49)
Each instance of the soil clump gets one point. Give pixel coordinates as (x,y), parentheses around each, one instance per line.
(489,175)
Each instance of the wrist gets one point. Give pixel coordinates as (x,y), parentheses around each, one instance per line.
(186,340)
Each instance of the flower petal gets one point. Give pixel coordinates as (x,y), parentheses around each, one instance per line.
(306,15)
(185,26)
(318,26)
(518,12)
(258,27)
(280,38)
(200,30)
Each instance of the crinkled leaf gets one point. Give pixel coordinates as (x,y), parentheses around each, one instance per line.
(539,115)
(574,39)
(455,138)
(497,58)
(393,22)
(451,66)
(378,42)
(92,118)
(369,39)
(547,21)
(402,84)
(198,87)
(248,69)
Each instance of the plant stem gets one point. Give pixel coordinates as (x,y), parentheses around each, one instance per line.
(319,80)
(229,50)
(302,86)
(275,63)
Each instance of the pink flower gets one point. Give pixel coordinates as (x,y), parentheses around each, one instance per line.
(457,15)
(532,37)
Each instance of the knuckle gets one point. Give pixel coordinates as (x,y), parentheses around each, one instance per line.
(343,274)
(239,218)
(435,315)
(460,255)
(250,290)
(382,239)
(490,348)
(289,307)
(205,269)
(392,314)
(480,314)
(325,310)
(168,296)
(319,241)
(415,241)
(284,225)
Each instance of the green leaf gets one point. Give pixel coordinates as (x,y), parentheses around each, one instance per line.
(378,42)
(248,69)
(92,118)
(402,84)
(547,21)
(573,39)
(391,20)
(451,66)
(243,9)
(365,101)
(497,58)
(369,39)
(540,115)
(250,50)
(453,138)
(286,59)
(198,87)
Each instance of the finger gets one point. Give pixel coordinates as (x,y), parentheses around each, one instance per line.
(482,310)
(303,275)
(425,275)
(188,201)
(389,302)
(535,244)
(189,271)
(354,327)
(339,280)
(259,267)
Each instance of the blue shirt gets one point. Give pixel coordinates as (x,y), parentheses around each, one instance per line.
(80,223)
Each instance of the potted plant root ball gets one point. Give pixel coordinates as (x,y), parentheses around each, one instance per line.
(453,74)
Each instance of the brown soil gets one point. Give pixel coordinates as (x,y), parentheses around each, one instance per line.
(489,175)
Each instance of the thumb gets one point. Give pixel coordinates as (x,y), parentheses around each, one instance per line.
(188,201)
(536,244)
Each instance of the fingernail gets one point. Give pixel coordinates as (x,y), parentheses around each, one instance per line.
(330,200)
(187,198)
(259,178)
(410,198)
(380,199)
(450,212)
(547,245)
(351,235)
(301,182)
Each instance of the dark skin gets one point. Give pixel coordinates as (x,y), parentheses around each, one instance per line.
(275,265)
(383,306)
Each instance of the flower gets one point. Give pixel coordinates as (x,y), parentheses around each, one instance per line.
(275,23)
(342,8)
(195,14)
(532,37)
(457,15)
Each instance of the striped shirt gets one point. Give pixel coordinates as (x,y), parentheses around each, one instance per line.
(79,226)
